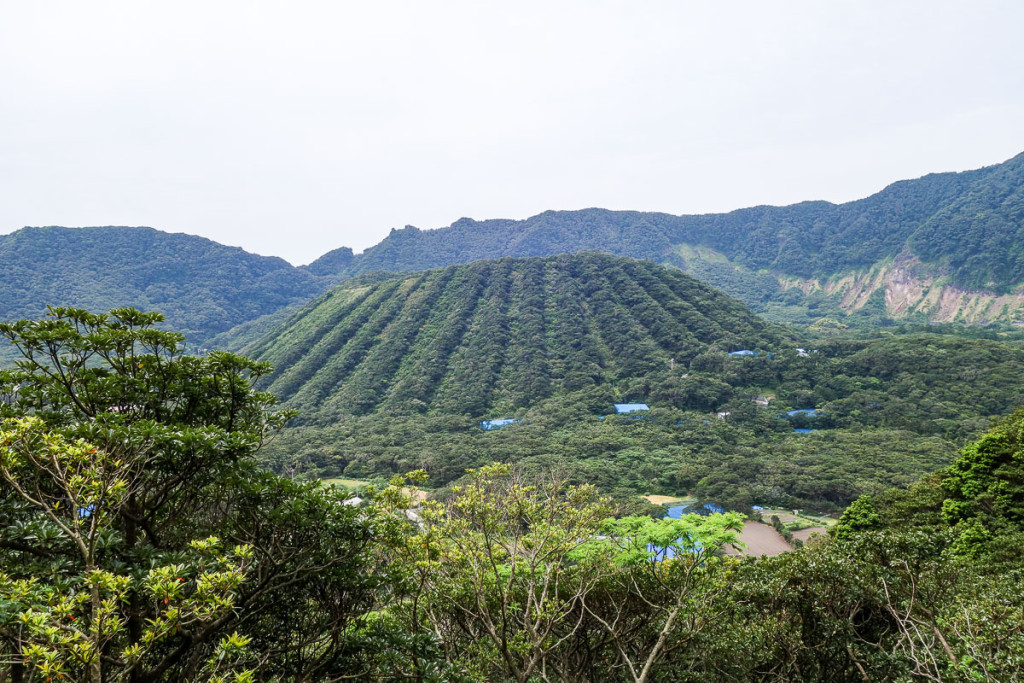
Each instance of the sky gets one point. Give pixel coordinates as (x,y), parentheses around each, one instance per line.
(293,128)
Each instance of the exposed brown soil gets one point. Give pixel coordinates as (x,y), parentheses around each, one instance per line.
(760,539)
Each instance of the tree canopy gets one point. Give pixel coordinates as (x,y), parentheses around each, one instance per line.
(141,541)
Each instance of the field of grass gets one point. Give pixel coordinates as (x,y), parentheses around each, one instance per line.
(345,483)
(801,520)
(666,500)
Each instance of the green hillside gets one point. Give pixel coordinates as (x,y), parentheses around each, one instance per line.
(501,335)
(397,375)
(958,231)
(201,286)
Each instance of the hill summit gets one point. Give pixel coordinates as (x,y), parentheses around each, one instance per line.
(203,287)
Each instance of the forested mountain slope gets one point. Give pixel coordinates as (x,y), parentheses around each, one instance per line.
(201,286)
(398,374)
(928,246)
(501,335)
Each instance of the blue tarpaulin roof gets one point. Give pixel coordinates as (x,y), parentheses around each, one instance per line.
(630,407)
(488,425)
(744,352)
(702,509)
(807,412)
(804,431)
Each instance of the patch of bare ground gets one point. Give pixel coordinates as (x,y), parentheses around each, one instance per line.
(760,539)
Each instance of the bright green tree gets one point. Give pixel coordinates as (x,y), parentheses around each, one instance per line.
(131,501)
(513,575)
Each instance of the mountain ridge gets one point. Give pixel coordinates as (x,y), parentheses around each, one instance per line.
(203,287)
(946,247)
(964,229)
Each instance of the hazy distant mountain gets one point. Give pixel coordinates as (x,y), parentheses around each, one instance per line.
(946,246)
(201,286)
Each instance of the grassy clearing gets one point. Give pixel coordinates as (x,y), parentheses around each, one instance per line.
(345,483)
(801,520)
(665,500)
(417,495)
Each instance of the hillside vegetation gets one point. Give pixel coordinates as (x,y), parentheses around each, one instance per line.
(202,287)
(397,375)
(501,335)
(143,541)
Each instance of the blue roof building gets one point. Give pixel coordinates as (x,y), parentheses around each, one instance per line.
(744,352)
(622,408)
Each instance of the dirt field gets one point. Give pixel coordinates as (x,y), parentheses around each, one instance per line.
(761,539)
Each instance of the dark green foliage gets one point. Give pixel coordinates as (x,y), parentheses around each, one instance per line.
(860,516)
(500,335)
(331,263)
(184,429)
(985,493)
(396,376)
(203,288)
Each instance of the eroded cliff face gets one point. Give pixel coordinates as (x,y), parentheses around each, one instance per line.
(911,287)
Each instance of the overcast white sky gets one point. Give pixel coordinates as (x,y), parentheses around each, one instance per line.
(292,128)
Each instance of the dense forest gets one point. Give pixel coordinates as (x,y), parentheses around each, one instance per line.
(141,541)
(501,335)
(398,374)
(203,287)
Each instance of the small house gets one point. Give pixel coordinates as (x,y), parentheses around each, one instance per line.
(623,408)
(743,352)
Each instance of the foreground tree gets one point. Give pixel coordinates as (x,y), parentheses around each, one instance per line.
(533,580)
(140,539)
(72,627)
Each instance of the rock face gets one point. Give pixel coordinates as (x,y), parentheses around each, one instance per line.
(910,287)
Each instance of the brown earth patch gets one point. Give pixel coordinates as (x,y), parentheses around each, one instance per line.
(760,539)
